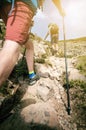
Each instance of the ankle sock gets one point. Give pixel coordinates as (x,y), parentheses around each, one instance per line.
(31,74)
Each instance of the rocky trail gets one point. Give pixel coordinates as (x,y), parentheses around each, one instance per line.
(43,106)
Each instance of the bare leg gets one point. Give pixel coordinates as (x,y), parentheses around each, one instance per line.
(30,55)
(55,46)
(8,57)
(30,63)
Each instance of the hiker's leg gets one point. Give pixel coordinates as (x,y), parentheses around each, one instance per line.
(56,46)
(30,55)
(18,23)
(30,62)
(8,57)
(55,42)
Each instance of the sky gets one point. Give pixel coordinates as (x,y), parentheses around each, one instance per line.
(74,21)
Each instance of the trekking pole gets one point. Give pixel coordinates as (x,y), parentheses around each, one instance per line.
(66,67)
(23,55)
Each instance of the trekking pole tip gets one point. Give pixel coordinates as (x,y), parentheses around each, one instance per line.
(68,110)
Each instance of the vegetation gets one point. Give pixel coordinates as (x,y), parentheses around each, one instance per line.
(81,84)
(43,60)
(81,64)
(2,29)
(78,98)
(40,60)
(76,39)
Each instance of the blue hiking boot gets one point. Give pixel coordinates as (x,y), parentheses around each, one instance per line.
(34,79)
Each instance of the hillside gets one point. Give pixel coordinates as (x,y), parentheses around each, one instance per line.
(43,106)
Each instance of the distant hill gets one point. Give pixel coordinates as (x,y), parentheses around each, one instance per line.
(75,39)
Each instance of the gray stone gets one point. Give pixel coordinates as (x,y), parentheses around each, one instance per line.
(41,113)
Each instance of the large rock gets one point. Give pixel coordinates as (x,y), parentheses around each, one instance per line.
(41,113)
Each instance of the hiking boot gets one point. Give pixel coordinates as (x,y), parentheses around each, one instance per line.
(34,79)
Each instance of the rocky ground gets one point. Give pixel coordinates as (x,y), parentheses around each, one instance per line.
(43,106)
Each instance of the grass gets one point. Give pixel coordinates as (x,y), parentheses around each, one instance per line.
(81,64)
(4,89)
(75,83)
(3,30)
(40,60)
(78,97)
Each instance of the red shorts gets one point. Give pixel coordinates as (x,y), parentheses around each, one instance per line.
(18,23)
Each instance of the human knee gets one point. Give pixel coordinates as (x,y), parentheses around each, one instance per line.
(11,46)
(29,45)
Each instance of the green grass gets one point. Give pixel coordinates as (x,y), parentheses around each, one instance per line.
(81,64)
(40,60)
(75,83)
(3,89)
(3,30)
(78,97)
